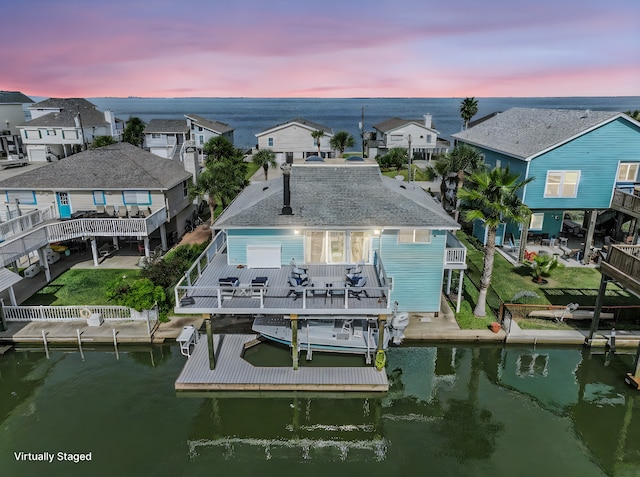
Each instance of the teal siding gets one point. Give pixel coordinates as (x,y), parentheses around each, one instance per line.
(416,270)
(237,241)
(479,232)
(596,155)
(491,159)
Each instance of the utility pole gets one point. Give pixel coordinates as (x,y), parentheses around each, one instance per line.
(84,143)
(361,126)
(409,153)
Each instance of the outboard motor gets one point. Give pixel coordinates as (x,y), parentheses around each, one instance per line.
(398,323)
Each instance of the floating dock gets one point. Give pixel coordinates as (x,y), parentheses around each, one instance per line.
(233,373)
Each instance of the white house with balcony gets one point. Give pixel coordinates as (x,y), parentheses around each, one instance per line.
(293,140)
(105,196)
(417,134)
(12,113)
(61,127)
(202,129)
(165,137)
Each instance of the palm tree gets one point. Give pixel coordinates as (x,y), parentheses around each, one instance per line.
(317,134)
(265,158)
(468,109)
(464,159)
(134,131)
(491,196)
(633,114)
(443,169)
(342,140)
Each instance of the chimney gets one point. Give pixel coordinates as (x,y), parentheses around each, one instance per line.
(286,176)
(427,120)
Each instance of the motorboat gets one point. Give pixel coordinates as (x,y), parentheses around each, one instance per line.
(333,333)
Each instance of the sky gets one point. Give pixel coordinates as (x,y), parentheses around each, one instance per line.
(326,49)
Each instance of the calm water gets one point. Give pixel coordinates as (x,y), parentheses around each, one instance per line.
(452,411)
(250,116)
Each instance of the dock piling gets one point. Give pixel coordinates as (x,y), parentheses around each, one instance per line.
(46,346)
(80,344)
(115,343)
(212,357)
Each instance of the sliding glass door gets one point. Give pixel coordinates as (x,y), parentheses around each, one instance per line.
(337,246)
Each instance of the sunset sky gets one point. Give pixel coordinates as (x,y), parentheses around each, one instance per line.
(330,48)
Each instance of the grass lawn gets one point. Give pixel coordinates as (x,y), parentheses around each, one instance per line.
(565,285)
(79,287)
(252,167)
(419,174)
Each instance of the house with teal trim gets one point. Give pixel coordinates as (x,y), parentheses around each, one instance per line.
(320,222)
(580,160)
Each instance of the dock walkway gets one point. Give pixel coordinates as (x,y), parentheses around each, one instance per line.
(233,373)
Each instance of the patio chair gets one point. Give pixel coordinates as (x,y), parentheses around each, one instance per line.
(122,212)
(299,274)
(110,210)
(357,289)
(257,284)
(100,210)
(295,289)
(134,211)
(355,272)
(227,284)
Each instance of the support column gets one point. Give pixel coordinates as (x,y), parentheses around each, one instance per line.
(596,312)
(94,251)
(163,237)
(44,264)
(460,291)
(591,227)
(381,357)
(449,272)
(12,296)
(212,355)
(116,244)
(147,248)
(294,340)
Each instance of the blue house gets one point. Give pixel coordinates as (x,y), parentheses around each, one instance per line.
(581,161)
(328,218)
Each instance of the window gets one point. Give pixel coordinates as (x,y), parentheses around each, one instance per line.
(156,136)
(98,197)
(51,132)
(136,197)
(414,236)
(32,134)
(562,184)
(70,134)
(21,197)
(498,163)
(428,138)
(185,188)
(270,142)
(628,172)
(536,221)
(336,246)
(201,139)
(396,137)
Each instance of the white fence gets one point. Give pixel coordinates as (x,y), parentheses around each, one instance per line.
(80,313)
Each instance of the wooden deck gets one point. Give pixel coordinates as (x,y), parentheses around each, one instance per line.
(277,297)
(233,373)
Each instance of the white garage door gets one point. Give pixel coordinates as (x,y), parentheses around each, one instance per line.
(264,256)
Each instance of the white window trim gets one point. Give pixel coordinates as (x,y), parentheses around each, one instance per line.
(535,216)
(561,185)
(413,232)
(628,165)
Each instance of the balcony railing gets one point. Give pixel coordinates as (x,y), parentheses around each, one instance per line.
(200,291)
(623,264)
(455,253)
(23,223)
(626,202)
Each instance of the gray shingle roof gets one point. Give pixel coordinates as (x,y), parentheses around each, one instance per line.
(304,122)
(69,108)
(215,126)
(327,195)
(527,132)
(171,126)
(395,123)
(119,166)
(14,97)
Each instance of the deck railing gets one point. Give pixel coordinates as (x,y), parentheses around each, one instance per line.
(625,259)
(626,202)
(23,223)
(455,252)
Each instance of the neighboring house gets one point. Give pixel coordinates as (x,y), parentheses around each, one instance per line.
(397,132)
(581,161)
(11,114)
(61,127)
(117,192)
(340,214)
(202,129)
(165,137)
(293,140)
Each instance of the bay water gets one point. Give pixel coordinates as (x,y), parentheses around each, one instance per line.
(249,116)
(451,411)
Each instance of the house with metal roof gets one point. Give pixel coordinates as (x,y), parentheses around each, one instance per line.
(114,193)
(61,127)
(293,140)
(165,137)
(581,160)
(11,114)
(419,135)
(326,218)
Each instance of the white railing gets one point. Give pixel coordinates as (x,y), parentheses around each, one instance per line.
(455,252)
(218,243)
(80,313)
(21,224)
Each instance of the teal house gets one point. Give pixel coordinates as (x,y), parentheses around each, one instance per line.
(321,223)
(580,160)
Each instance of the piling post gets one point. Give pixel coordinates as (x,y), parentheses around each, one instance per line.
(46,346)
(3,322)
(212,356)
(381,357)
(294,340)
(115,343)
(596,312)
(80,343)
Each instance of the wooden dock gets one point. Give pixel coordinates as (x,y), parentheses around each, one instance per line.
(233,373)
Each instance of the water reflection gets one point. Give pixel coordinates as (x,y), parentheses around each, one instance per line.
(454,410)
